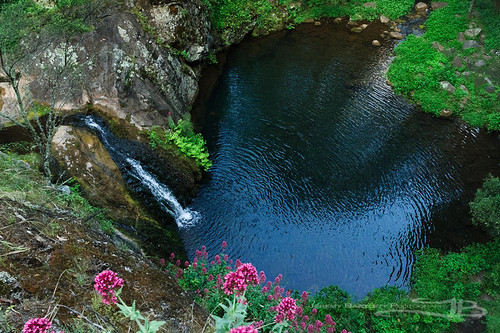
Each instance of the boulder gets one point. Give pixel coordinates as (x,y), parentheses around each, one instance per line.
(421,7)
(80,154)
(472,33)
(396,35)
(375,42)
(468,44)
(438,46)
(438,4)
(337,20)
(480,63)
(464,89)
(384,19)
(445,113)
(445,85)
(370,5)
(461,37)
(457,62)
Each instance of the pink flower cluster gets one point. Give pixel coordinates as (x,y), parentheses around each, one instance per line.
(239,280)
(38,325)
(244,329)
(105,284)
(286,310)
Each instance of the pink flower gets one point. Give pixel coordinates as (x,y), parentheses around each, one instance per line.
(305,295)
(217,259)
(329,320)
(186,264)
(314,312)
(239,280)
(172,256)
(105,284)
(286,310)
(262,277)
(224,244)
(210,277)
(37,325)
(162,261)
(244,329)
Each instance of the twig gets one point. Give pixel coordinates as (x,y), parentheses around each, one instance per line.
(82,316)
(102,317)
(55,289)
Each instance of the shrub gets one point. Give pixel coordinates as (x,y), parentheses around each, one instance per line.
(183,137)
(485,207)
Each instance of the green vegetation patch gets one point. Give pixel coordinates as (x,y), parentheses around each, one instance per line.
(422,73)
(182,136)
(485,207)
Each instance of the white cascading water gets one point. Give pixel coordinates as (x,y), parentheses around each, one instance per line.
(162,194)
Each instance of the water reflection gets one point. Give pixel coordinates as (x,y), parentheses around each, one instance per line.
(322,174)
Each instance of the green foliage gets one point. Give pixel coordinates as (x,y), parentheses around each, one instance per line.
(234,316)
(145,326)
(485,207)
(418,68)
(183,137)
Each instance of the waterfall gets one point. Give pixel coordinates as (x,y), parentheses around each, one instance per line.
(160,192)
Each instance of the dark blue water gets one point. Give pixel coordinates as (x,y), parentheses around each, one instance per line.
(322,174)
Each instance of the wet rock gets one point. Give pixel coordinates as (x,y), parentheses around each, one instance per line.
(384,19)
(375,42)
(490,89)
(445,85)
(370,5)
(445,113)
(468,44)
(81,155)
(457,62)
(421,7)
(396,35)
(464,88)
(438,4)
(472,33)
(196,53)
(309,21)
(357,30)
(337,20)
(317,23)
(480,63)
(461,37)
(438,46)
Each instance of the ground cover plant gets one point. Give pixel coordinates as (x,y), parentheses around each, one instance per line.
(445,73)
(182,136)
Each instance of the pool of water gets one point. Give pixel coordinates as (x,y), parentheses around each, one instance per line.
(322,174)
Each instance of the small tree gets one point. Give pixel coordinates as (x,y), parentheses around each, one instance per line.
(37,44)
(485,207)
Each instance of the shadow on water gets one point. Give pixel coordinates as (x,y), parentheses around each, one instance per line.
(322,174)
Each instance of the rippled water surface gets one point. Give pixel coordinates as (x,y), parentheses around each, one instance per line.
(322,174)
